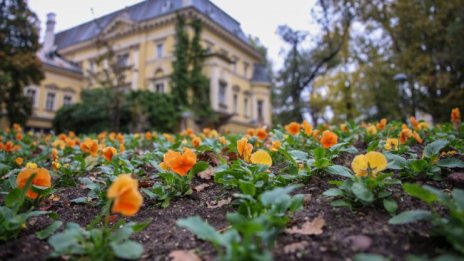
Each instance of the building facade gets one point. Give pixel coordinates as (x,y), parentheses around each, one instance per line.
(143,38)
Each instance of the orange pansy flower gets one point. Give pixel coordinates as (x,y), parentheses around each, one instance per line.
(180,163)
(148,135)
(417,137)
(42,179)
(414,122)
(90,146)
(120,138)
(276,145)
(405,134)
(456,115)
(19,161)
(126,197)
(328,139)
(308,128)
(382,123)
(293,128)
(244,149)
(196,142)
(251,132)
(109,152)
(261,133)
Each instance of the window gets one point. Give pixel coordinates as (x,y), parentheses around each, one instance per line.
(209,47)
(235,62)
(159,50)
(260,111)
(91,65)
(50,103)
(235,103)
(245,69)
(123,60)
(67,99)
(222,94)
(159,87)
(245,107)
(32,94)
(166,6)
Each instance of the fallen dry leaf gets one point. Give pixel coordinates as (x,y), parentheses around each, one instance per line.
(184,255)
(206,174)
(309,228)
(219,203)
(307,198)
(293,247)
(201,187)
(209,157)
(358,242)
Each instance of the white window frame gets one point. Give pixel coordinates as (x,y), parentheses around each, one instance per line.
(53,103)
(159,50)
(71,96)
(222,94)
(35,101)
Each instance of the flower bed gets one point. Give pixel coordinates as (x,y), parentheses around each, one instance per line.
(386,190)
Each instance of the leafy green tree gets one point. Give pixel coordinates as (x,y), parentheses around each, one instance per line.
(422,39)
(303,65)
(201,103)
(19,65)
(180,81)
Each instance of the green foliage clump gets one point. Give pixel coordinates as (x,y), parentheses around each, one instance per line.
(143,110)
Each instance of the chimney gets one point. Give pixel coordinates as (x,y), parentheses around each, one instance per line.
(49,41)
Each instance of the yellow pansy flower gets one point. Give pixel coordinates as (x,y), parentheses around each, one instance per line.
(261,157)
(368,164)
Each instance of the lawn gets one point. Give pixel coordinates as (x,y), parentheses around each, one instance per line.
(377,191)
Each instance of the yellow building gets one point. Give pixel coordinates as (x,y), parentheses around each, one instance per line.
(143,37)
(62,84)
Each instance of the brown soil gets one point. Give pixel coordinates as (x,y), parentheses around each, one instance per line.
(163,236)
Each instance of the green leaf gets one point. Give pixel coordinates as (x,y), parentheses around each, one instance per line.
(419,192)
(319,153)
(199,167)
(369,257)
(68,240)
(49,230)
(339,170)
(458,196)
(271,196)
(418,165)
(247,187)
(450,163)
(298,155)
(137,227)
(333,192)
(149,193)
(201,229)
(390,205)
(13,197)
(362,192)
(433,149)
(410,216)
(341,203)
(127,250)
(395,161)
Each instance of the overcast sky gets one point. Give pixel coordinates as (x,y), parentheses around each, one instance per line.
(257,17)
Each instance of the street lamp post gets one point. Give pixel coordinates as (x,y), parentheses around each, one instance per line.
(407,93)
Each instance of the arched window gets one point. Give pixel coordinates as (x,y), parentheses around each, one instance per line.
(159,83)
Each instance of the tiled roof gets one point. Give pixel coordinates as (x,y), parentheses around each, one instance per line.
(147,10)
(53,59)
